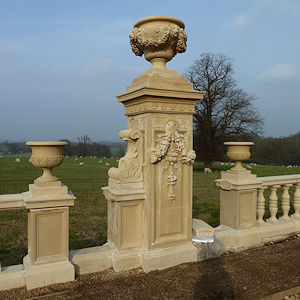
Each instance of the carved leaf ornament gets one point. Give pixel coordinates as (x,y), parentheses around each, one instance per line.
(164,143)
(157,37)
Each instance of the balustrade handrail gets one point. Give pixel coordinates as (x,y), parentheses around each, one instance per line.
(11,201)
(279,180)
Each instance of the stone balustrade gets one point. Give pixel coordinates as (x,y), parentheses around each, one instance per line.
(289,184)
(248,217)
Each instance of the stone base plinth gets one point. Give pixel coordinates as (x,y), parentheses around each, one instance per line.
(90,260)
(158,259)
(12,277)
(237,240)
(276,232)
(126,259)
(49,273)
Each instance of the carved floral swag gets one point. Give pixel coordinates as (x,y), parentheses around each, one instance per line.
(171,146)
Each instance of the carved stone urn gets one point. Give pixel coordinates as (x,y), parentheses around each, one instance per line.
(238,152)
(46,155)
(159,38)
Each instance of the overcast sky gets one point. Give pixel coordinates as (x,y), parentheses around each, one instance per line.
(62,62)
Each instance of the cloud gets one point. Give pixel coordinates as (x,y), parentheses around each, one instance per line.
(279,72)
(241,22)
(260,11)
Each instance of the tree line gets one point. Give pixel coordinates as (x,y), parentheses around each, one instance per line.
(276,151)
(266,150)
(84,147)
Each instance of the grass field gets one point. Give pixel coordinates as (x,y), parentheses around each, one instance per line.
(88,216)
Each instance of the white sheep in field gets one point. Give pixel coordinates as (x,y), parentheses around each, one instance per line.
(107,164)
(76,159)
(100,162)
(248,167)
(18,160)
(207,171)
(289,166)
(81,164)
(222,164)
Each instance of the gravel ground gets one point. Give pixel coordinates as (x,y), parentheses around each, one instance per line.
(251,274)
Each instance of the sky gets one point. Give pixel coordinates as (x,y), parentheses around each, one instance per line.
(63,62)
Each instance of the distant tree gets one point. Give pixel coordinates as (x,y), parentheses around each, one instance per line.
(68,149)
(226,113)
(104,151)
(83,145)
(277,151)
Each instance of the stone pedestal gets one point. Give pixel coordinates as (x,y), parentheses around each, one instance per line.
(165,119)
(238,197)
(150,193)
(47,261)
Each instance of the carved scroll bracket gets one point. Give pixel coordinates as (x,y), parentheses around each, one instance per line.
(130,166)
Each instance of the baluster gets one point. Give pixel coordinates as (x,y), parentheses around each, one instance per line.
(260,206)
(285,203)
(296,215)
(273,204)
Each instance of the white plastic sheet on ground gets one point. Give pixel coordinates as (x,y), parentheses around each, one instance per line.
(209,246)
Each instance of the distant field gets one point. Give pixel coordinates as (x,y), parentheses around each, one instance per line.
(88,216)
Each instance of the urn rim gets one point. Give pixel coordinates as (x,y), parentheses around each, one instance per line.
(46,143)
(159,18)
(239,143)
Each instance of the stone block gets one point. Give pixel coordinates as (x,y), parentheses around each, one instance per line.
(162,258)
(90,260)
(12,277)
(37,276)
(200,228)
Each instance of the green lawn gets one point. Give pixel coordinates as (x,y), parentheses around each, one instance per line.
(88,216)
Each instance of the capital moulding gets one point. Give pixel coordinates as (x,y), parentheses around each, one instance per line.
(147,91)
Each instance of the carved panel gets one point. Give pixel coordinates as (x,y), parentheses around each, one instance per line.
(172,160)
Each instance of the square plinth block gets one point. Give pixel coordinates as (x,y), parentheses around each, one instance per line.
(125,224)
(49,273)
(48,235)
(238,208)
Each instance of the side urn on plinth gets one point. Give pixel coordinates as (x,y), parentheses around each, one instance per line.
(46,155)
